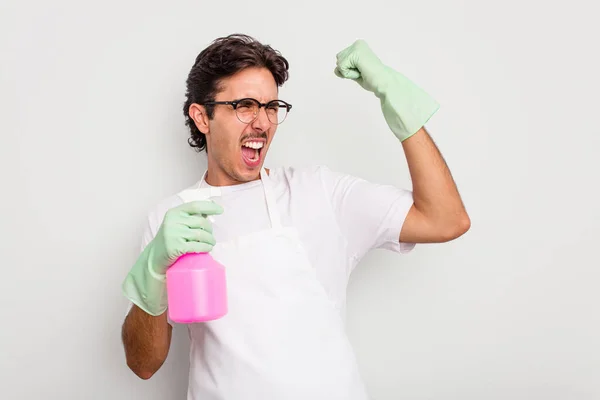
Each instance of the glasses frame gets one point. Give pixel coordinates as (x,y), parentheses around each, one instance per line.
(235,103)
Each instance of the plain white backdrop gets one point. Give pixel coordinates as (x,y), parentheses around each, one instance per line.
(92,136)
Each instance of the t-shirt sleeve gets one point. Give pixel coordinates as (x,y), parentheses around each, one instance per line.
(369,215)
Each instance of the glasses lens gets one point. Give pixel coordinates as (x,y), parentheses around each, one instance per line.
(277,112)
(247,110)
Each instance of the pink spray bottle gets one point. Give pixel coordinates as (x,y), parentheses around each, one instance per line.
(196,284)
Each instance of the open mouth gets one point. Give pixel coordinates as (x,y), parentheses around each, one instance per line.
(251,152)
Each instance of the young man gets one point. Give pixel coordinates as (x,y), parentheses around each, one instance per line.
(288,237)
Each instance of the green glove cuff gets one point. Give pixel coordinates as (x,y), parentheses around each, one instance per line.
(406,107)
(144,287)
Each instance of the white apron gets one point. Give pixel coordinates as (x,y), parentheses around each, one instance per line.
(283,338)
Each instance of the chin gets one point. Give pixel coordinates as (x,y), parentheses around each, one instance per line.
(246,174)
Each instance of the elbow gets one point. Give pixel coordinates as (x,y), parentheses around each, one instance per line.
(144,366)
(145,375)
(463,225)
(442,227)
(457,227)
(142,372)
(448,229)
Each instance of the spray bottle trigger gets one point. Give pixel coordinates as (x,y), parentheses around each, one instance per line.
(197,194)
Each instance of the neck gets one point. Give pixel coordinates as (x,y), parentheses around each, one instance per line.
(216,176)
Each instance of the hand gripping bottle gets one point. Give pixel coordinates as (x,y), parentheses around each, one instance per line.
(196,284)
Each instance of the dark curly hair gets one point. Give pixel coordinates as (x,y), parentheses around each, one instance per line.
(224,57)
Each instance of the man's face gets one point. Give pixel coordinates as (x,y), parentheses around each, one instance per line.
(236,150)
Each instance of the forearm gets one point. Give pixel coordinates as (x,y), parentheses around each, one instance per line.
(146,340)
(435,193)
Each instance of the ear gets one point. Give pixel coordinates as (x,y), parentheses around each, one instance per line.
(198,115)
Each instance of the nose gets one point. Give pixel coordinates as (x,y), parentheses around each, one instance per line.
(261,122)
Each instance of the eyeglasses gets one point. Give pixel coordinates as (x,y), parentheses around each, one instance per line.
(247,109)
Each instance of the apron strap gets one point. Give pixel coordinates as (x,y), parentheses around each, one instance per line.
(199,192)
(202,193)
(271,201)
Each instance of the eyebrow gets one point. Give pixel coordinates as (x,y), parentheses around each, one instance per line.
(253,97)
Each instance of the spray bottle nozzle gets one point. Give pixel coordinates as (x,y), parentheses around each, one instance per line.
(199,194)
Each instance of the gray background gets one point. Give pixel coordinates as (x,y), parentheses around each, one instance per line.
(92,136)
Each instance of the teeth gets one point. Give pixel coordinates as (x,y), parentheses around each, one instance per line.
(254,145)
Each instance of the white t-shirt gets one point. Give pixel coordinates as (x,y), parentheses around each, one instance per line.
(339,218)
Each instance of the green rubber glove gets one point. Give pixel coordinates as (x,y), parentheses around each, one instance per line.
(405,106)
(185,229)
